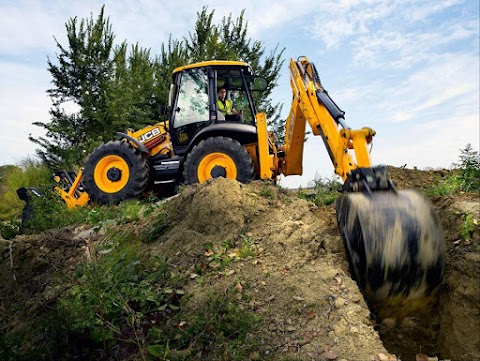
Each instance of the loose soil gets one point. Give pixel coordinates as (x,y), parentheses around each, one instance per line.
(297,277)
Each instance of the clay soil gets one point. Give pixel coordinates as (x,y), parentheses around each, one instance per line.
(297,277)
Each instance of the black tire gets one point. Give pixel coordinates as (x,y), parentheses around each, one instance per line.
(104,174)
(228,159)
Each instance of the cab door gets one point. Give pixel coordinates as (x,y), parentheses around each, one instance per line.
(191,109)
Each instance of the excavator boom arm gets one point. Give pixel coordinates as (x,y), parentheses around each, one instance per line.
(311,104)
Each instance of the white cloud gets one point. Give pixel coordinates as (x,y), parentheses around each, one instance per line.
(424,9)
(452,79)
(397,49)
(338,22)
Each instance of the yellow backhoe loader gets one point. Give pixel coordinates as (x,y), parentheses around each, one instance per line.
(393,239)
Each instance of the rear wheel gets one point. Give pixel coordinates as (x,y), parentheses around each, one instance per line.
(114,172)
(218,157)
(395,248)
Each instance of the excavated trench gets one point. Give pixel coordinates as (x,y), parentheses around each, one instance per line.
(451,328)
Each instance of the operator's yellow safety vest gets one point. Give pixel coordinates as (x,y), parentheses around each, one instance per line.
(225,108)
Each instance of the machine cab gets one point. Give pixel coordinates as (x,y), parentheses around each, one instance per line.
(192,101)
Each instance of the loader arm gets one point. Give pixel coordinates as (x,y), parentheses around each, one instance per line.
(311,104)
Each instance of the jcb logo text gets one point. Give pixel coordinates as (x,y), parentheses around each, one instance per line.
(149,135)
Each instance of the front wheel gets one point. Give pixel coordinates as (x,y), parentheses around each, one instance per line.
(114,172)
(218,157)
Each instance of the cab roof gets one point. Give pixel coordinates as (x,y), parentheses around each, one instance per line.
(211,63)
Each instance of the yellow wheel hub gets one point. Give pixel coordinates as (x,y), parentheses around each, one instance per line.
(111,174)
(216,165)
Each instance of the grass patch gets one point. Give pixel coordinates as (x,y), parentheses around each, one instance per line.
(467,180)
(221,328)
(267,192)
(450,185)
(156,227)
(118,296)
(469,225)
(324,191)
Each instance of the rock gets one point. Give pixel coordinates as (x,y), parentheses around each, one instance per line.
(272,327)
(45,250)
(51,294)
(339,302)
(270,298)
(330,355)
(238,288)
(84,235)
(254,356)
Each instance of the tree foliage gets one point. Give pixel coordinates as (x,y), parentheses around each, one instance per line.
(80,79)
(113,87)
(470,166)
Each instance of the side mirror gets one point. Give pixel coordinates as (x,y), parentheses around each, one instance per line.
(259,84)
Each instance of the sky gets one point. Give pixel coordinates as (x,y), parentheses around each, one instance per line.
(409,69)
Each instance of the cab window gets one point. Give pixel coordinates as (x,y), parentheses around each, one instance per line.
(240,103)
(192,103)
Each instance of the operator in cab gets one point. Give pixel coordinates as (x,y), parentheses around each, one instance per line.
(225,106)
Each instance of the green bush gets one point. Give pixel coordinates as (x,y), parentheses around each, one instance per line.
(470,166)
(467,180)
(325,191)
(50,211)
(220,325)
(449,185)
(118,295)
(29,173)
(468,227)
(154,229)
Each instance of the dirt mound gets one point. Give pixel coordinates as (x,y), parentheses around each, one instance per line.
(297,277)
(35,271)
(405,178)
(284,258)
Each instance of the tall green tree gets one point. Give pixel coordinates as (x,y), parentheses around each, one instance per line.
(134,92)
(80,78)
(109,88)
